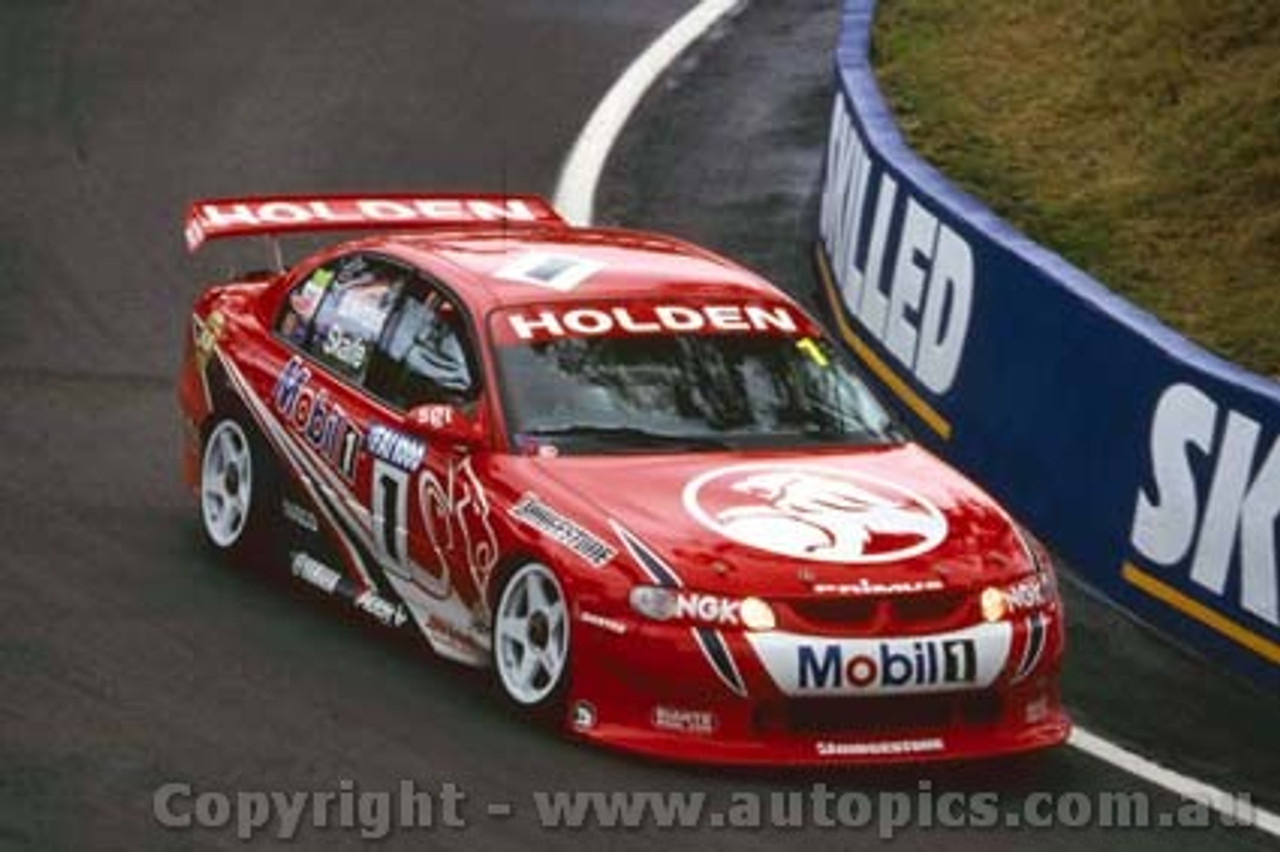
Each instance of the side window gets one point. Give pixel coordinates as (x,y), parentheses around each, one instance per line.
(351,315)
(425,356)
(294,324)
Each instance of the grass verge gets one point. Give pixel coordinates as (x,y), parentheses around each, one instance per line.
(1140,140)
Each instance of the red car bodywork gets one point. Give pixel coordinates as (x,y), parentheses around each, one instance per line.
(895,652)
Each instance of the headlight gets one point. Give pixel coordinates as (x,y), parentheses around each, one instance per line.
(661,603)
(654,602)
(758,615)
(994,603)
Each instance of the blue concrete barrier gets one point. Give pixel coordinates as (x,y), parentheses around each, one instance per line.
(1153,465)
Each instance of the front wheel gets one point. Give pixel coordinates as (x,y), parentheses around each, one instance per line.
(235,486)
(531,638)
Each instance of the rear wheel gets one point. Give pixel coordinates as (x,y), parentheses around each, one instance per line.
(235,488)
(531,638)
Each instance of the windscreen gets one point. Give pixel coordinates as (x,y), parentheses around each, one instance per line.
(644,377)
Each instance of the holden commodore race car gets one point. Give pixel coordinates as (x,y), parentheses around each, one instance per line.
(636,480)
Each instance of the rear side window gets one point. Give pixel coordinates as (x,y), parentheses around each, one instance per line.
(351,314)
(300,307)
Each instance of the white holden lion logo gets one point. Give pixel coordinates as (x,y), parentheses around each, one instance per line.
(815,512)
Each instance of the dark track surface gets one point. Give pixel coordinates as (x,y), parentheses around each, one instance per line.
(129,657)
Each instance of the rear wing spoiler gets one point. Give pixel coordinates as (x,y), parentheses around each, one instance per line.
(271,216)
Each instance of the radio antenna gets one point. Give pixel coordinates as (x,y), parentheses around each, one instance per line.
(506,202)
(274,254)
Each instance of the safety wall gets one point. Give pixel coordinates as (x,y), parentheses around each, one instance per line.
(1151,464)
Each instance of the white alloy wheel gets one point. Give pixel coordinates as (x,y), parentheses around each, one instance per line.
(226,484)
(531,635)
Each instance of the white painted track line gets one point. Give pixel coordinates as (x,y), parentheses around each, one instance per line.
(575,199)
(576,191)
(1222,801)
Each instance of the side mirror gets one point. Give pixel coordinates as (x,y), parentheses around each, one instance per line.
(442,423)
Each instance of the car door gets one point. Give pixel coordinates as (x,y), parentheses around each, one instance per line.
(331,324)
(429,509)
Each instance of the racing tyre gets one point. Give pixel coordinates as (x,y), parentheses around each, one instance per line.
(531,639)
(237,489)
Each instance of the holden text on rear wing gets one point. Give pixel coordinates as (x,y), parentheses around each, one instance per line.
(273,215)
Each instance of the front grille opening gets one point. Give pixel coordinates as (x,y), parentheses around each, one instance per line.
(933,609)
(904,614)
(881,715)
(838,612)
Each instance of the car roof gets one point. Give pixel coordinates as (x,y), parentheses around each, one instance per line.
(494,268)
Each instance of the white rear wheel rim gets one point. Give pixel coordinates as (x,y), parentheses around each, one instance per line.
(226,483)
(531,634)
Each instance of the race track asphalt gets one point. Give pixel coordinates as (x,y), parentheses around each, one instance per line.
(131,658)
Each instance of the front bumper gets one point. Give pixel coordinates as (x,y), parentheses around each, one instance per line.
(655,690)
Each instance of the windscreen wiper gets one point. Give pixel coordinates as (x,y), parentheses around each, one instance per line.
(628,434)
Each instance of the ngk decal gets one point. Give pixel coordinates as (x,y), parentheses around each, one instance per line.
(813,665)
(1026,594)
(708,609)
(815,512)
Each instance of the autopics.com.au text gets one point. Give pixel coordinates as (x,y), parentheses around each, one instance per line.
(376,814)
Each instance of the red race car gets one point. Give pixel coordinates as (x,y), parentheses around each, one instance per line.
(636,479)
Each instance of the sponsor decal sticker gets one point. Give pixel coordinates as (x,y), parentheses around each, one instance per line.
(1026,594)
(357,211)
(322,422)
(559,272)
(879,748)
(532,512)
(951,661)
(208,333)
(300,516)
(870,588)
(708,609)
(315,572)
(683,720)
(449,633)
(815,512)
(311,570)
(812,665)
(432,416)
(642,319)
(306,298)
(611,625)
(395,448)
(346,349)
(392,615)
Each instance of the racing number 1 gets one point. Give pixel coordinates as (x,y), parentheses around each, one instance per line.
(389,511)
(389,502)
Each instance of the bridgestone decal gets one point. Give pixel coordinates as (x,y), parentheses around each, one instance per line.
(532,512)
